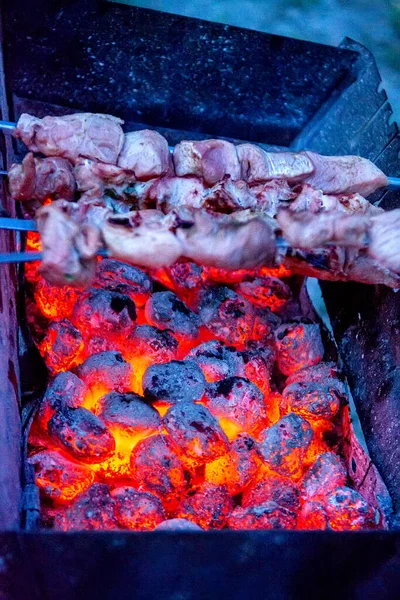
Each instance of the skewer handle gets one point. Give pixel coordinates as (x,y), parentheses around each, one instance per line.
(19,257)
(6,126)
(394,183)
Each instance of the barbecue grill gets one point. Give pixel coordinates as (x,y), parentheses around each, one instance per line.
(240,85)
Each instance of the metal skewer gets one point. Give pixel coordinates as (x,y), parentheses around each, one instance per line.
(8,127)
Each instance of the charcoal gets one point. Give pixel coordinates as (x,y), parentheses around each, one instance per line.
(55,302)
(120,277)
(342,510)
(264,292)
(312,516)
(314,401)
(59,478)
(281,490)
(265,323)
(195,433)
(92,511)
(326,373)
(230,277)
(100,343)
(216,360)
(138,511)
(227,315)
(174,381)
(258,361)
(237,400)
(156,468)
(266,516)
(178,525)
(298,345)
(327,473)
(207,505)
(128,412)
(187,275)
(103,312)
(238,467)
(62,346)
(107,370)
(155,344)
(283,446)
(165,311)
(83,435)
(65,390)
(346,509)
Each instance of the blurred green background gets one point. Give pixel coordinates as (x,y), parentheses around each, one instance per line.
(374,23)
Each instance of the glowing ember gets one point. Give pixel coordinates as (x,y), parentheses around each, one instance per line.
(186,398)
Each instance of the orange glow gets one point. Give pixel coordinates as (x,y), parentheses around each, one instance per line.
(231,429)
(118,466)
(177,471)
(33,244)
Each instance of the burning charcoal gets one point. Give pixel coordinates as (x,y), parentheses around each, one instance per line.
(195,433)
(227,315)
(237,401)
(182,277)
(325,475)
(344,509)
(237,468)
(94,510)
(66,390)
(312,515)
(347,509)
(103,312)
(165,311)
(58,478)
(129,413)
(265,292)
(81,434)
(266,516)
(216,360)
(152,343)
(258,361)
(104,372)
(100,343)
(139,511)
(280,490)
(156,468)
(187,276)
(178,525)
(208,506)
(120,277)
(299,345)
(326,373)
(229,277)
(62,346)
(174,381)
(313,401)
(265,322)
(283,446)
(55,302)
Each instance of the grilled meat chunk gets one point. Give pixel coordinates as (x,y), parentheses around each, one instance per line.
(344,174)
(146,153)
(142,238)
(210,159)
(69,249)
(244,241)
(257,165)
(41,178)
(95,136)
(306,230)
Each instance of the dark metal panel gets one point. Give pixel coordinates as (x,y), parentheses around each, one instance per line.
(203,566)
(166,70)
